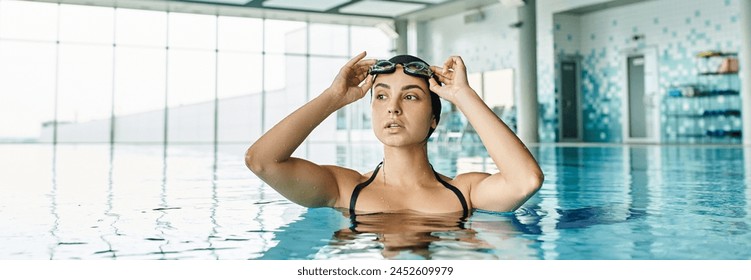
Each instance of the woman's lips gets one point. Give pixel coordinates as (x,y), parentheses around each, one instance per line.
(392,125)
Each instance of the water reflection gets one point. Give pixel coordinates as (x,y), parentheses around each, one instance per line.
(747,181)
(607,202)
(408,234)
(162,223)
(330,234)
(53,205)
(199,201)
(110,252)
(214,233)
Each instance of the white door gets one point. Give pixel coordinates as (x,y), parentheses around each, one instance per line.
(642,102)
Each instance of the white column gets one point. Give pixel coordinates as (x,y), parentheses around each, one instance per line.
(745,67)
(402,42)
(527,97)
(747,169)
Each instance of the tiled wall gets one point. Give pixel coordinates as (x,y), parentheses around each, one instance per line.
(678,29)
(673,29)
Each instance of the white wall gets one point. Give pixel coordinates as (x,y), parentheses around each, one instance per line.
(485,46)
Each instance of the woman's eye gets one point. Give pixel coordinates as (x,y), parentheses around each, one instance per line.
(410,97)
(380,96)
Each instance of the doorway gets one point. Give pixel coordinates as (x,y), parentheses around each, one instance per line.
(637,123)
(569,111)
(641,110)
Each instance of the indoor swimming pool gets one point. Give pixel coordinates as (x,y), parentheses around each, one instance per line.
(101,201)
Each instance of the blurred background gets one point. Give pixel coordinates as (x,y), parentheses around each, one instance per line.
(123,124)
(225,71)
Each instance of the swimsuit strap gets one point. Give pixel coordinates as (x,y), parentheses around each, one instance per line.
(465,208)
(359,187)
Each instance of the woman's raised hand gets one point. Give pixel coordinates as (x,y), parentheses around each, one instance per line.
(353,80)
(453,75)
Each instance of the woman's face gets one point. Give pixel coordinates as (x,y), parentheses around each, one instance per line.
(402,111)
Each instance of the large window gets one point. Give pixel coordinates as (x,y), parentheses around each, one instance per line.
(28,20)
(84,91)
(329,40)
(240,81)
(86,24)
(140,75)
(192,31)
(140,28)
(240,34)
(191,80)
(27,90)
(283,36)
(190,95)
(372,40)
(140,87)
(27,69)
(76,73)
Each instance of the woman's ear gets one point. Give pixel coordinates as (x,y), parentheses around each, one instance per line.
(433,123)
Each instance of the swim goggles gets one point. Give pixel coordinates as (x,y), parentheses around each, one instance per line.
(415,68)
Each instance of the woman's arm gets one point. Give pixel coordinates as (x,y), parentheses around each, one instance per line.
(520,176)
(299,180)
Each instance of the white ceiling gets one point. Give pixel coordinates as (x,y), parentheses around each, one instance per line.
(353,12)
(375,8)
(381,8)
(318,5)
(233,2)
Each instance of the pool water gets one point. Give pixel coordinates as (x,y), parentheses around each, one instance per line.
(101,201)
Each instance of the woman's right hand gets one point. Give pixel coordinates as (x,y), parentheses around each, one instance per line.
(348,86)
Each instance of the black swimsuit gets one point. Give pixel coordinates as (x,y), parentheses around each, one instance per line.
(359,187)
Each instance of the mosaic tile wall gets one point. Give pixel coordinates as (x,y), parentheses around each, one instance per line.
(602,37)
(599,38)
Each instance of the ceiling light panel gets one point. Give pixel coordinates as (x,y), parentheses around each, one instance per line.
(233,2)
(429,1)
(318,5)
(381,8)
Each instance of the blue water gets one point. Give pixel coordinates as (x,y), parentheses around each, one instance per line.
(98,201)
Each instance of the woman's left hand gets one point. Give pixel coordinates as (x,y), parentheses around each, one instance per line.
(453,75)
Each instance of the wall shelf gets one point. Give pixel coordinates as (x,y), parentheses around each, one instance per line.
(707,111)
(717,73)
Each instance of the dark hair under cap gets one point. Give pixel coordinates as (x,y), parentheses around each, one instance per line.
(435,101)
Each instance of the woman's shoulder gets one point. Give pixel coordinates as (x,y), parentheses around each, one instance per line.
(346,176)
(346,179)
(470,178)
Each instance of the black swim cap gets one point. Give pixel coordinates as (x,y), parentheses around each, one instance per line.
(435,100)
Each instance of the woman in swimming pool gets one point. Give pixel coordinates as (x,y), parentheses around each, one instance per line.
(404,104)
